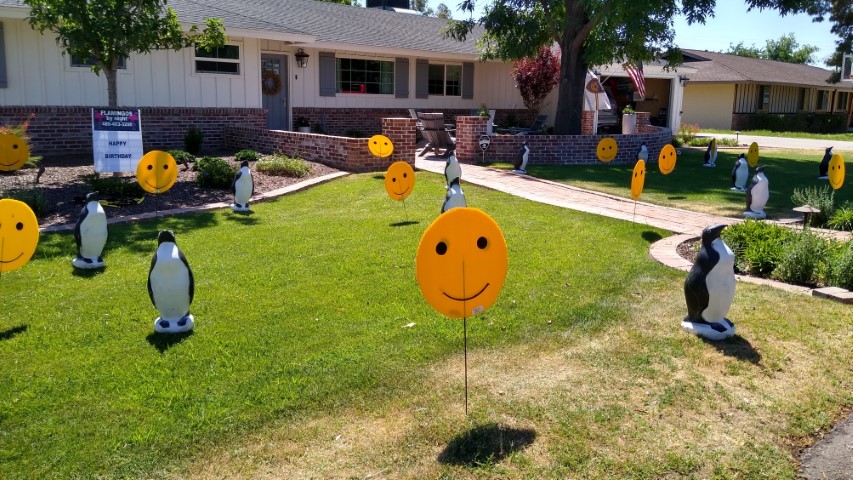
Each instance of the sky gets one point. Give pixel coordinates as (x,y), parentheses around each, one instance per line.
(732,24)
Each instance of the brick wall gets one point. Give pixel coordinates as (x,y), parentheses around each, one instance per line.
(56,131)
(350,154)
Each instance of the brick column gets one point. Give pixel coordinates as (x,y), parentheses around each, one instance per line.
(401,131)
(643,118)
(587,121)
(468,132)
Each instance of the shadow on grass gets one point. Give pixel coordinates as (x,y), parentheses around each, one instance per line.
(486,443)
(12,332)
(165,341)
(378,177)
(650,236)
(677,197)
(245,218)
(737,347)
(404,223)
(83,273)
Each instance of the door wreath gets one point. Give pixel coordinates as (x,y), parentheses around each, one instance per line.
(270,82)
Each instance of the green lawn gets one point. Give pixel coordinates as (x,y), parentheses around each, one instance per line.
(693,187)
(301,366)
(846,137)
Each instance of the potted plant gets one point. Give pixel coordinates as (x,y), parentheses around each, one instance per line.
(629,121)
(303,125)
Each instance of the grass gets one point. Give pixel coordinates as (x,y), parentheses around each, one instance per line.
(846,137)
(693,187)
(301,364)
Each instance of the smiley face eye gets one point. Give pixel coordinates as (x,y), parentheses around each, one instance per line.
(441,248)
(165,167)
(405,175)
(19,226)
(150,167)
(393,179)
(482,243)
(15,146)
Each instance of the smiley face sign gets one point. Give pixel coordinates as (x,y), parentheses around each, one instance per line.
(399,180)
(752,155)
(638,179)
(14,152)
(666,159)
(836,171)
(19,234)
(606,149)
(461,262)
(156,172)
(380,145)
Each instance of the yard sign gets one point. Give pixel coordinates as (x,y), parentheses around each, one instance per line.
(116,139)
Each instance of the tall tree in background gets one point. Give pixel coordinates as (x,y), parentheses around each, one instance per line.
(110,30)
(599,32)
(441,11)
(535,77)
(785,49)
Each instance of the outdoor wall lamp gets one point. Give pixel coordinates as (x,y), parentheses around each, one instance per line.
(301,58)
(683,79)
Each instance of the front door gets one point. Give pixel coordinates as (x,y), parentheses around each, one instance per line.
(274,90)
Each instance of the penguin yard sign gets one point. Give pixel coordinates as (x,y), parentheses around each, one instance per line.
(709,288)
(740,173)
(171,286)
(757,195)
(243,187)
(90,234)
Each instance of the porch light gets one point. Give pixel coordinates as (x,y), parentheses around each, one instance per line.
(301,58)
(683,79)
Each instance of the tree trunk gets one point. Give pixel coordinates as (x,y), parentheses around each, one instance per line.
(112,94)
(570,98)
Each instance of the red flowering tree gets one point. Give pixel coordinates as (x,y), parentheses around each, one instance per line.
(535,77)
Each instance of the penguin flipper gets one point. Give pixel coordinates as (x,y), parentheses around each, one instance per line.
(189,270)
(78,237)
(234,182)
(150,291)
(696,295)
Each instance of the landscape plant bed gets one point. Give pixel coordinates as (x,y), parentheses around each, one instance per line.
(64,189)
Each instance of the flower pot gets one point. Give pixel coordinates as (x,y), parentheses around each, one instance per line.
(629,124)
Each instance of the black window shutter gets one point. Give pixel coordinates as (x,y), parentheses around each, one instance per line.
(467,80)
(421,78)
(401,78)
(327,74)
(3,81)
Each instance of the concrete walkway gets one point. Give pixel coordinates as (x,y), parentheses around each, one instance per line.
(781,142)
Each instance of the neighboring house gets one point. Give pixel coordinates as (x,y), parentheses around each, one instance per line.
(731,92)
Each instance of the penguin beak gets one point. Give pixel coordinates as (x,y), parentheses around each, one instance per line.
(716,230)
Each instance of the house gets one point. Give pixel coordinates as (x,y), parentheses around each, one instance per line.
(740,93)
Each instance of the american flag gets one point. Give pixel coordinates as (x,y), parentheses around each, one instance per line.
(637,78)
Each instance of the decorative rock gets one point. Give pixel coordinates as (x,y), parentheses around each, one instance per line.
(90,234)
(709,288)
(823,168)
(171,286)
(454,198)
(520,162)
(740,173)
(243,187)
(757,195)
(711,154)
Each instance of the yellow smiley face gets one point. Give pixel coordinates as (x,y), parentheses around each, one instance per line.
(399,180)
(638,179)
(380,145)
(666,159)
(752,155)
(836,171)
(14,152)
(19,234)
(156,172)
(461,262)
(606,149)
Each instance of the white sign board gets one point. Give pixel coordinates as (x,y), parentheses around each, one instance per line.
(116,139)
(484,142)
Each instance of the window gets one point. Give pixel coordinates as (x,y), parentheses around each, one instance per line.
(822,100)
(77,62)
(763,96)
(804,97)
(445,80)
(354,75)
(224,60)
(841,102)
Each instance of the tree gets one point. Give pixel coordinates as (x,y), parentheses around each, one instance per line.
(422,7)
(743,51)
(535,77)
(110,30)
(442,11)
(785,49)
(599,32)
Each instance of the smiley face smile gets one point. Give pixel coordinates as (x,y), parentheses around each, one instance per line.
(468,298)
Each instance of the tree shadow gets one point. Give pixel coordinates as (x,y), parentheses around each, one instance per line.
(486,443)
(165,341)
(677,197)
(651,237)
(12,332)
(404,223)
(737,347)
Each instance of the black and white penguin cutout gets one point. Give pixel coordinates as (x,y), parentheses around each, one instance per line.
(824,165)
(711,154)
(757,195)
(243,187)
(90,234)
(520,163)
(740,173)
(710,288)
(452,170)
(454,197)
(643,153)
(171,286)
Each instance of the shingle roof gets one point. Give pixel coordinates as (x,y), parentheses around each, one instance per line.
(721,67)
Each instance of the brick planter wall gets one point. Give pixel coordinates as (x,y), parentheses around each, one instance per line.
(57,131)
(350,154)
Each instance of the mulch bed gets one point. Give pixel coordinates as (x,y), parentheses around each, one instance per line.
(688,250)
(63,186)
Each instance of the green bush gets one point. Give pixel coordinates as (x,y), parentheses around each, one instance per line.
(757,245)
(800,122)
(687,132)
(113,187)
(192,140)
(705,141)
(841,268)
(244,155)
(842,218)
(34,197)
(181,157)
(822,198)
(215,172)
(802,259)
(282,165)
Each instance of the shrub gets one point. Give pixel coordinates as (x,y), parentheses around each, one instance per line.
(355,134)
(33,197)
(535,77)
(215,172)
(318,128)
(192,140)
(687,132)
(284,166)
(181,157)
(842,218)
(113,187)
(822,198)
(801,259)
(841,268)
(757,245)
(705,141)
(244,155)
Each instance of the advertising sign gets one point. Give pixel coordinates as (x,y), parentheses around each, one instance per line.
(116,139)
